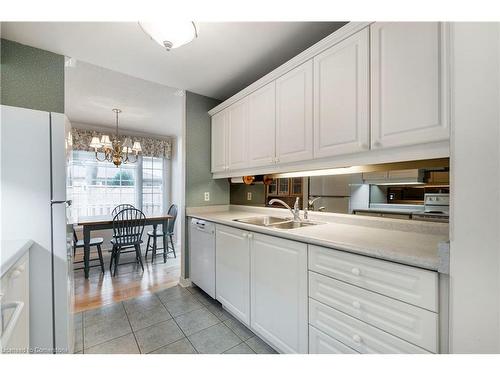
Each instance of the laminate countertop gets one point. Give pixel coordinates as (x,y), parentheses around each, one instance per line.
(11,251)
(402,241)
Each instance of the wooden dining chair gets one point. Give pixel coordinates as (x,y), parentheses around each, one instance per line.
(121,207)
(78,244)
(128,227)
(167,236)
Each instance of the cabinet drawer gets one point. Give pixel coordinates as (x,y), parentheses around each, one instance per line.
(321,343)
(409,284)
(413,324)
(356,334)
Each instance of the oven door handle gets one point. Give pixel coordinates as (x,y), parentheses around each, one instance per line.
(7,332)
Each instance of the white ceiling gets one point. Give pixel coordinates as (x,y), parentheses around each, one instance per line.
(225,58)
(91,92)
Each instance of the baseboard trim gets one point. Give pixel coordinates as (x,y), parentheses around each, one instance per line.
(185,282)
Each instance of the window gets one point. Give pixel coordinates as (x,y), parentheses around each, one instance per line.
(152,185)
(98,187)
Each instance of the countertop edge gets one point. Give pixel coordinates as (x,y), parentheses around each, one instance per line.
(22,246)
(423,263)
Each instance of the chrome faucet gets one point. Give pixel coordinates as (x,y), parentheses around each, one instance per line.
(310,203)
(295,210)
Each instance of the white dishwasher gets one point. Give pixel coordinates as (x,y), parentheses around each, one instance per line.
(202,255)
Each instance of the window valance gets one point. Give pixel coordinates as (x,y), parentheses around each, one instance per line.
(150,146)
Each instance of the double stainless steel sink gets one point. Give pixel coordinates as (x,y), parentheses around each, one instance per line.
(276,222)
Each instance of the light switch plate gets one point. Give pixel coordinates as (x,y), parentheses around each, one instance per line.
(207,196)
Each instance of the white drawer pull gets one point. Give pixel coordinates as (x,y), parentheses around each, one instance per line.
(357,339)
(355,271)
(245,235)
(250,235)
(356,305)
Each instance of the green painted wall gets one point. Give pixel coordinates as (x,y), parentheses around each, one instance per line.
(31,77)
(239,194)
(198,144)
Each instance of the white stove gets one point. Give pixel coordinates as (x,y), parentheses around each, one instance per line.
(436,208)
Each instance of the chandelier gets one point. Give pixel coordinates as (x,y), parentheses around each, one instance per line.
(114,151)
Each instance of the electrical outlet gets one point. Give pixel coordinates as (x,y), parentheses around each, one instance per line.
(207,196)
(249,196)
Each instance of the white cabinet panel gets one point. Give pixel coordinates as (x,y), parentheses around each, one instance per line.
(409,284)
(354,333)
(294,102)
(238,134)
(232,265)
(219,141)
(321,343)
(341,97)
(279,292)
(15,307)
(262,126)
(409,83)
(413,324)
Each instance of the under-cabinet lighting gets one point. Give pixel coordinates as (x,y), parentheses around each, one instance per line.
(320,172)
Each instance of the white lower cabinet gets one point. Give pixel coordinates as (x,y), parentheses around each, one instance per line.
(278,303)
(303,298)
(232,265)
(14,306)
(321,343)
(408,284)
(411,323)
(356,334)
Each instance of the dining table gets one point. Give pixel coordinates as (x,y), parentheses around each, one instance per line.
(93,223)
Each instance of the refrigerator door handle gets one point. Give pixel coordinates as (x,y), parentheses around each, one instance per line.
(68,203)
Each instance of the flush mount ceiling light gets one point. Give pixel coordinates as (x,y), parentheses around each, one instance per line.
(170,34)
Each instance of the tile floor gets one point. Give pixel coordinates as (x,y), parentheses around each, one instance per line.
(172,321)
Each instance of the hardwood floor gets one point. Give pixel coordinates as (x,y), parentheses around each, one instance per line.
(102,289)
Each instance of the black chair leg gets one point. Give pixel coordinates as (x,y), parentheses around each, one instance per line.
(138,255)
(172,242)
(117,260)
(99,251)
(147,248)
(112,259)
(154,249)
(165,248)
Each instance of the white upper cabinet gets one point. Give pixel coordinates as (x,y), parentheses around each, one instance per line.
(294,102)
(341,97)
(238,134)
(219,141)
(409,83)
(262,126)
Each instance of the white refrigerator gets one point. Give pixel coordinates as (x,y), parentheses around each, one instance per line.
(35,153)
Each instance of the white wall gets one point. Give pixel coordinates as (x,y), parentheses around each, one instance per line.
(475,193)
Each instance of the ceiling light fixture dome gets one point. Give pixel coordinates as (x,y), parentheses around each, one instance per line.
(171,34)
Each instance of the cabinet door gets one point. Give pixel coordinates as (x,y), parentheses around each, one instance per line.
(294,101)
(262,126)
(219,142)
(341,97)
(238,134)
(279,295)
(232,264)
(409,83)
